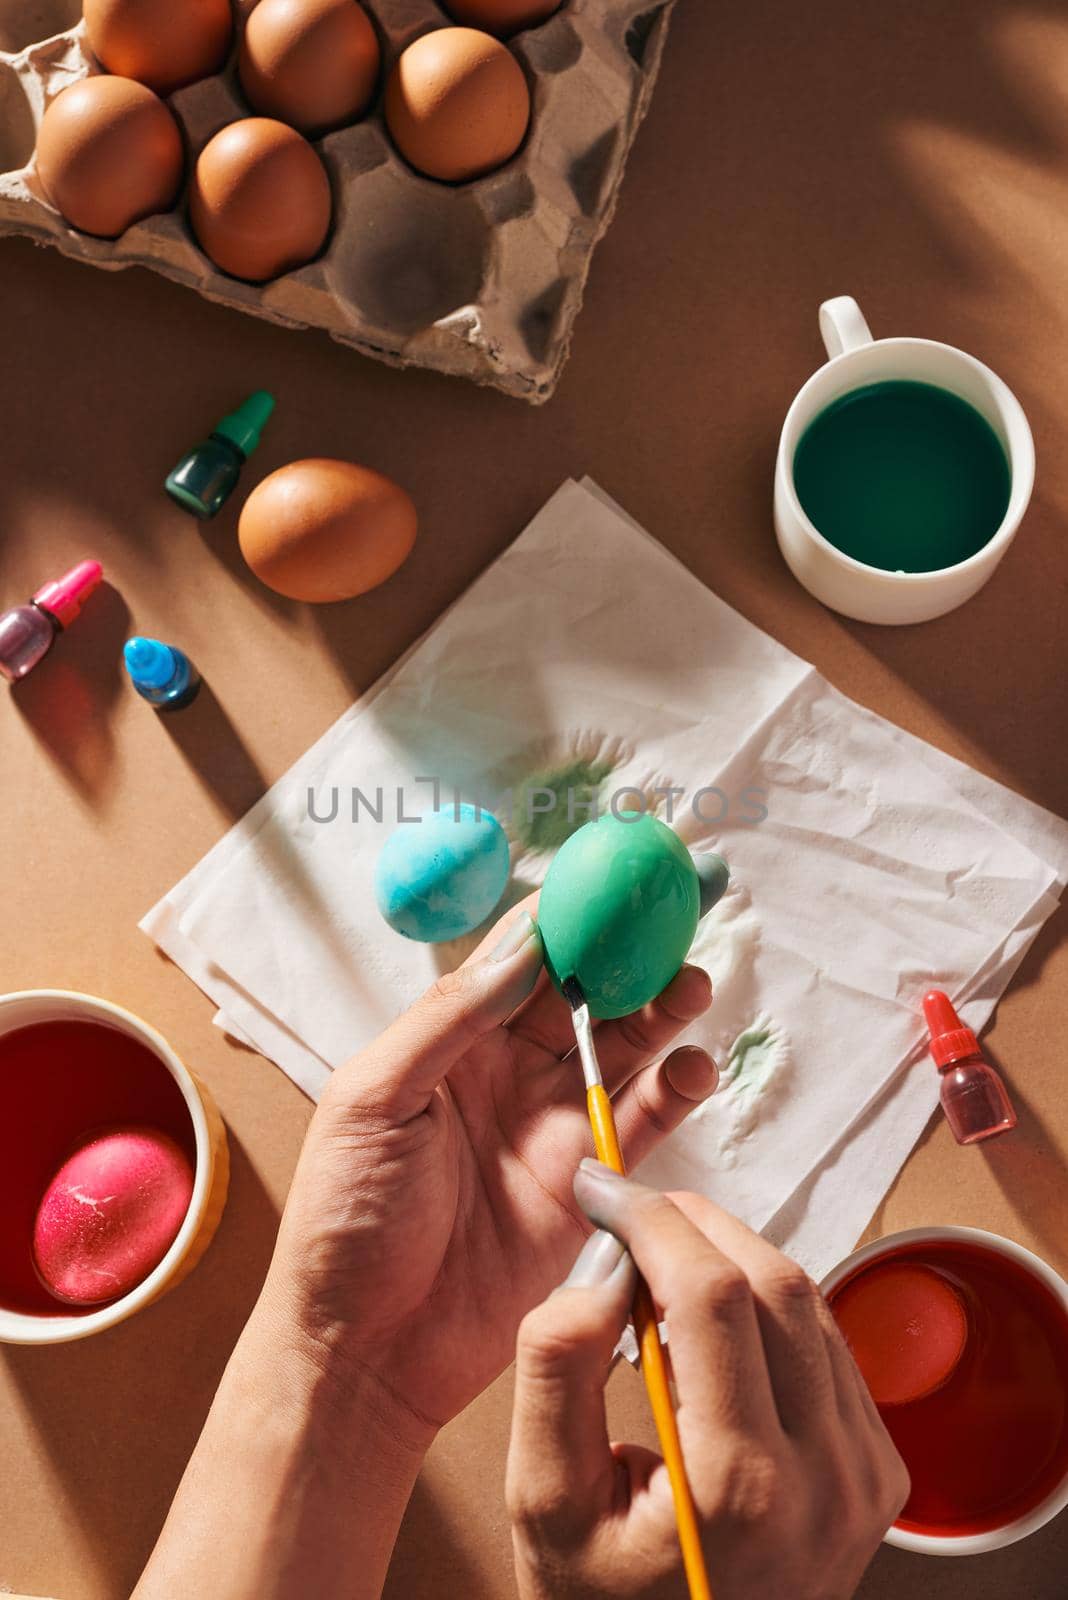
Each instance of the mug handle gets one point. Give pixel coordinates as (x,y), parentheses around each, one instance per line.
(843,326)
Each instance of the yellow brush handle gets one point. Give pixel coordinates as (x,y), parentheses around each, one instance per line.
(654,1370)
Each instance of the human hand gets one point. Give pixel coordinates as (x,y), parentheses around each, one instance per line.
(432,1205)
(794,1477)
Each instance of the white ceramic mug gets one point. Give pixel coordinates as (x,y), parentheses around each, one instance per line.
(210,1178)
(968,1544)
(871,594)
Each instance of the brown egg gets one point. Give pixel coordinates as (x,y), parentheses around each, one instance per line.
(108,153)
(326,530)
(457,104)
(259,200)
(501,16)
(164,43)
(312,63)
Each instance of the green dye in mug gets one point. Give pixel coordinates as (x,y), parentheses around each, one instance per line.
(903,476)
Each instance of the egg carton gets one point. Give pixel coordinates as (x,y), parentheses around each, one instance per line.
(482,279)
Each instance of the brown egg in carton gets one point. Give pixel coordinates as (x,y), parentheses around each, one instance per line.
(481,279)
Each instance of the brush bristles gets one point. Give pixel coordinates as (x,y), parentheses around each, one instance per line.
(580,1017)
(572,993)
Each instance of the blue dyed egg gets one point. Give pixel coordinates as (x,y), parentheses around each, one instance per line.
(438,878)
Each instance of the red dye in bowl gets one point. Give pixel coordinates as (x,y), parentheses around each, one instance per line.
(981,1421)
(63,1084)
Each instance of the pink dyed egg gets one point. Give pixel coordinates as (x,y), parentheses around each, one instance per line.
(110,1214)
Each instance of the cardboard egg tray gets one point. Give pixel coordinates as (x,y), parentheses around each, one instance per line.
(482,279)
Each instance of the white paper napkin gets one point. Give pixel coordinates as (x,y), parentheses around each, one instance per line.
(881,866)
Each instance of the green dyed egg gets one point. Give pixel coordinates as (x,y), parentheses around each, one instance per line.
(619,910)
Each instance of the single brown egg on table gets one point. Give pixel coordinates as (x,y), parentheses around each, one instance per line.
(159,42)
(457,104)
(109,153)
(501,16)
(326,530)
(312,63)
(259,199)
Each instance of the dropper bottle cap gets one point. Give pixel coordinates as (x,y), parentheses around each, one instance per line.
(64,597)
(150,663)
(244,426)
(950,1039)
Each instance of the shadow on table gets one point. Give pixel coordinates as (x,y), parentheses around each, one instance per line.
(219,538)
(120,1412)
(948,662)
(429,1562)
(214,749)
(967,157)
(215,752)
(1012,1574)
(1028,1166)
(68,699)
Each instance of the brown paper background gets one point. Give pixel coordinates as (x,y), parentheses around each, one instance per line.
(916,157)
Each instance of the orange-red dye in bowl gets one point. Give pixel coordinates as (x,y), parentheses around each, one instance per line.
(979,1411)
(62,1084)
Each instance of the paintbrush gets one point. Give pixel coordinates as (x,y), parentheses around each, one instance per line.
(654,1367)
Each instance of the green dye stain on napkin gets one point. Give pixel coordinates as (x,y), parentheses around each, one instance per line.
(754,1055)
(553,803)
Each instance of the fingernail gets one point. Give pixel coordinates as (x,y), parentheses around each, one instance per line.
(595,1262)
(623,1277)
(602,1194)
(689,994)
(599,1172)
(692,1073)
(517,935)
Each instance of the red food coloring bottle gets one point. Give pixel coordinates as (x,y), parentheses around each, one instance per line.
(974,1099)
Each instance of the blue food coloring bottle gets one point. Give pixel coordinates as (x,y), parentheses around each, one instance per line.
(161,673)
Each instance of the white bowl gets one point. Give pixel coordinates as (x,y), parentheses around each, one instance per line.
(968,1544)
(29,1006)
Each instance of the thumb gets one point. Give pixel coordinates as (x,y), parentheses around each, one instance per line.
(561,1470)
(406,1063)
